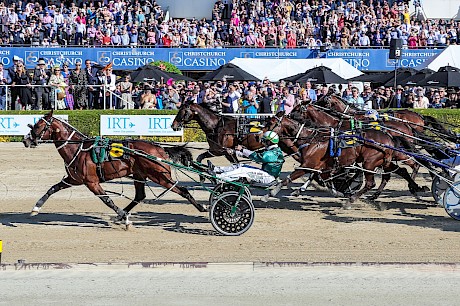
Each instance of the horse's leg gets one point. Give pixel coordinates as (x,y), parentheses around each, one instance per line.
(204,155)
(139,185)
(413,186)
(164,179)
(385,178)
(290,178)
(370,183)
(99,192)
(63,184)
(200,158)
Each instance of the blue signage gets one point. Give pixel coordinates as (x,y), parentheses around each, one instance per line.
(207,59)
(377,59)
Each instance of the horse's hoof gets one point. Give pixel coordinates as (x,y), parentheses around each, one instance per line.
(128,226)
(425,189)
(296,193)
(206,208)
(347,205)
(33,213)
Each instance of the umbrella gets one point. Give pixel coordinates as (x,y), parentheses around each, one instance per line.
(401,74)
(386,78)
(447,76)
(231,72)
(418,77)
(317,75)
(153,73)
(368,77)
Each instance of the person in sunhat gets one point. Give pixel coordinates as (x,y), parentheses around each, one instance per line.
(40,78)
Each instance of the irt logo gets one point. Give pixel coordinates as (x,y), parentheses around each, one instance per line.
(159,123)
(7,122)
(121,123)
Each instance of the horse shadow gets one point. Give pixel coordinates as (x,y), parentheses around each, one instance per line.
(443,223)
(168,221)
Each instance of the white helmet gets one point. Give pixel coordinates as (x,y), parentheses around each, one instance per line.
(272,137)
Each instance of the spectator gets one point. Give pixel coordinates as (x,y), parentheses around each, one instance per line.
(5,79)
(379,100)
(148,100)
(68,95)
(40,78)
(286,102)
(78,81)
(93,83)
(171,99)
(126,88)
(310,92)
(399,99)
(56,81)
(357,100)
(22,81)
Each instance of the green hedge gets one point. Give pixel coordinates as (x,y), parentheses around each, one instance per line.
(87,122)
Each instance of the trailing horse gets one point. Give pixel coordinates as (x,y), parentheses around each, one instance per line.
(315,155)
(221,132)
(78,153)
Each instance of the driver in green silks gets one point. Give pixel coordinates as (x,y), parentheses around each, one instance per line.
(271,158)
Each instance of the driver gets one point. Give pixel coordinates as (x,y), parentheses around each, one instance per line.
(271,158)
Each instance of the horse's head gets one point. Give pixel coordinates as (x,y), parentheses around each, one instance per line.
(186,114)
(333,102)
(42,130)
(300,112)
(274,123)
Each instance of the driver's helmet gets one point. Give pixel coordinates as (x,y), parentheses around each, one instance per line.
(271,137)
(372,114)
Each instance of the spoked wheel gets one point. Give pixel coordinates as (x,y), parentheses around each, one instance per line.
(348,181)
(451,201)
(438,188)
(229,217)
(223,187)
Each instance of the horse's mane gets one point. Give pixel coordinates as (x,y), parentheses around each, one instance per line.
(72,128)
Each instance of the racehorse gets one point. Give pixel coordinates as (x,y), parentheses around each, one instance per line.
(318,115)
(75,149)
(314,147)
(221,132)
(417,122)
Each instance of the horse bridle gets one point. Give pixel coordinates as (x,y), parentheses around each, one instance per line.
(44,130)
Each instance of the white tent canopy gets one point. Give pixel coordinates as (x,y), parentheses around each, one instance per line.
(276,69)
(449,57)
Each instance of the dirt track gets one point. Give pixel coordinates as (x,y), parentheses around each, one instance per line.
(74,226)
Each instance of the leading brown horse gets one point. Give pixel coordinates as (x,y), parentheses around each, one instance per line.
(75,149)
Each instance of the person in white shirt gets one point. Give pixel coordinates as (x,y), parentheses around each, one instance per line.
(234,96)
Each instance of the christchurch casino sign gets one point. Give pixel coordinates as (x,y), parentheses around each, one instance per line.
(208,59)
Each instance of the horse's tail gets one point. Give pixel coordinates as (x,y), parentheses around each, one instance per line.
(180,154)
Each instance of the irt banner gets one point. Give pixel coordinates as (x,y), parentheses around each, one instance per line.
(16,125)
(141,125)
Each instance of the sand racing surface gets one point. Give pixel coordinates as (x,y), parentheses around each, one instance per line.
(74,226)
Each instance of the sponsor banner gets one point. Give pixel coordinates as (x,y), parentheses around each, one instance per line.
(377,59)
(16,125)
(138,125)
(207,59)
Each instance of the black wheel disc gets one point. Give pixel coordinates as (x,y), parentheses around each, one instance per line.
(230,219)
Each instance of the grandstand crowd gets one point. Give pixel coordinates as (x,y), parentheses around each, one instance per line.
(262,23)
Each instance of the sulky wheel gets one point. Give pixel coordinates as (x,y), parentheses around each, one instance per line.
(438,188)
(451,201)
(230,219)
(348,181)
(223,187)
